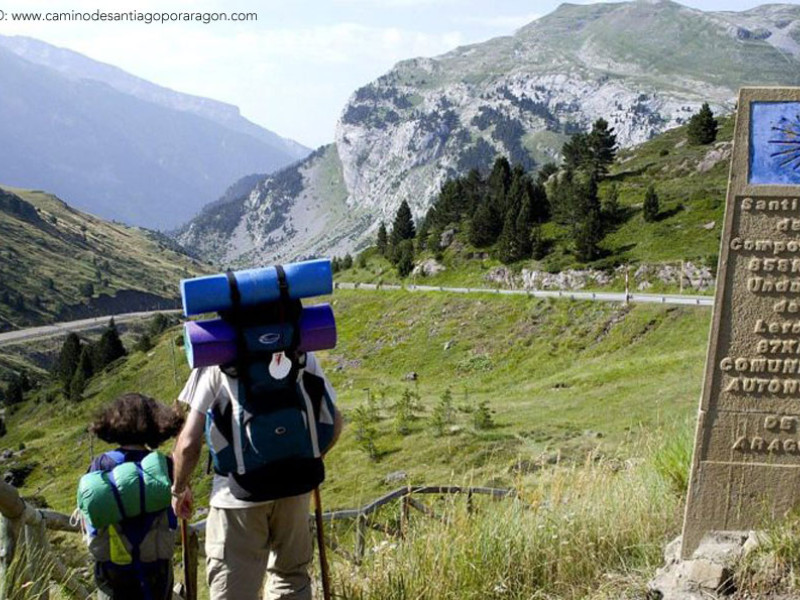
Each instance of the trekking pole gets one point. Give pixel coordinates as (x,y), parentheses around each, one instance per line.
(323,560)
(189,582)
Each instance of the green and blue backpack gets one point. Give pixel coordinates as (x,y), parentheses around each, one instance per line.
(130,526)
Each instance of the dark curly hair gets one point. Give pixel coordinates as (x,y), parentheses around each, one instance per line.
(135,419)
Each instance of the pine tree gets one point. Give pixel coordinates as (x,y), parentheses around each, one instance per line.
(540,205)
(405,258)
(77,387)
(563,193)
(449,203)
(403,226)
(651,208)
(86,363)
(347,262)
(497,187)
(702,127)
(538,243)
(589,228)
(602,148)
(424,229)
(473,190)
(108,348)
(485,226)
(382,241)
(514,241)
(68,358)
(611,204)
(576,152)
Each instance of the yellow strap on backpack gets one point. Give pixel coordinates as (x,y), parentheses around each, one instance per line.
(119,553)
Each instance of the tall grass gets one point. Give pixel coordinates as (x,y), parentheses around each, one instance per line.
(591,531)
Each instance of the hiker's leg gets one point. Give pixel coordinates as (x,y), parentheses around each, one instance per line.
(236,552)
(291,549)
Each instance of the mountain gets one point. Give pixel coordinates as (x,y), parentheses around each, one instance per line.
(118,146)
(60,264)
(643,66)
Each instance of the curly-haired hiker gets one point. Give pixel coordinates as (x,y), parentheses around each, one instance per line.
(125,500)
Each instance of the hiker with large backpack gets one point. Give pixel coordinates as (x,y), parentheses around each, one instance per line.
(258,395)
(125,502)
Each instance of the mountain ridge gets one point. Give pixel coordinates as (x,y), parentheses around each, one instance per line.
(78,66)
(429,119)
(113,154)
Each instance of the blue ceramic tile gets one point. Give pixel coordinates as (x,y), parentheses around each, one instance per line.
(775,143)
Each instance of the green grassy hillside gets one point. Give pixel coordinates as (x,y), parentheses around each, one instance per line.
(59,263)
(559,378)
(540,390)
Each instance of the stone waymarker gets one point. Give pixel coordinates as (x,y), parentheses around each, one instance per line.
(746,463)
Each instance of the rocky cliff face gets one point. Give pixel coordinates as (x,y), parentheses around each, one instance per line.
(642,66)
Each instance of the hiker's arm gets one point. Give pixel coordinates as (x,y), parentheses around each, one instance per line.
(185,456)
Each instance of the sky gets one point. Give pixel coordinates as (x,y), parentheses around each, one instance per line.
(293,67)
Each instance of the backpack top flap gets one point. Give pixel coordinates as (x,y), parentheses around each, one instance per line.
(128,490)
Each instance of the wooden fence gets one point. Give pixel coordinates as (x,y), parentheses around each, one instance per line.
(23,534)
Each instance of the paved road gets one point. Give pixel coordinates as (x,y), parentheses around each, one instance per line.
(596,296)
(46,331)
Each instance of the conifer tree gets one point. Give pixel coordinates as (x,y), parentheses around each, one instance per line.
(108,348)
(472,189)
(347,262)
(538,244)
(611,204)
(68,358)
(498,185)
(449,203)
(85,364)
(702,127)
(602,145)
(486,225)
(423,231)
(402,229)
(576,152)
(589,228)
(514,241)
(651,208)
(405,258)
(77,387)
(383,239)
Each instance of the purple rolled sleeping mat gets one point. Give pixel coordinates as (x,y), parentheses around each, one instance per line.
(213,342)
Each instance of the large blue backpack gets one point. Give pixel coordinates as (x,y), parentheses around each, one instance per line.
(268,434)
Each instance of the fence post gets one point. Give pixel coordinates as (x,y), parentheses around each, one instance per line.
(361,536)
(9,533)
(404,510)
(36,552)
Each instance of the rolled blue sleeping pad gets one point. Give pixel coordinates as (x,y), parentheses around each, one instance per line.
(213,293)
(213,342)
